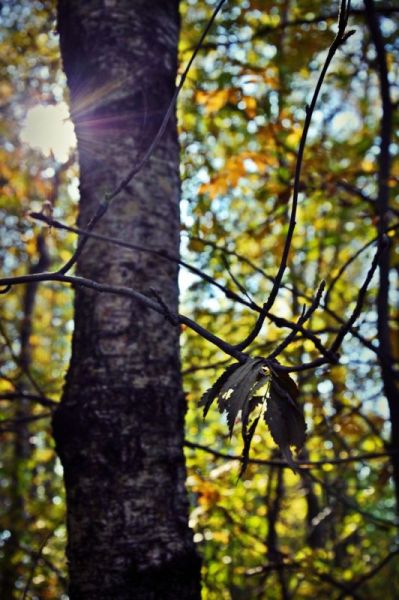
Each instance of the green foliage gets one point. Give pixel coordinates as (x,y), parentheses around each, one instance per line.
(286,535)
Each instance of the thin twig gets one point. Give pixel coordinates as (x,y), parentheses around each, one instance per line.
(228,348)
(236,281)
(358,307)
(131,293)
(42,400)
(301,321)
(262,32)
(351,259)
(344,330)
(34,564)
(340,38)
(278,321)
(332,489)
(161,253)
(290,288)
(370,574)
(303,464)
(45,560)
(24,368)
(10,424)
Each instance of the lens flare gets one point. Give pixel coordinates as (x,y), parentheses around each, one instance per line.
(49,129)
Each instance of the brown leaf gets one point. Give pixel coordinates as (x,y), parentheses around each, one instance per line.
(284,416)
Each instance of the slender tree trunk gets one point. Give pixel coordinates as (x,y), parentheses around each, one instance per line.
(119,428)
(390,386)
(21,446)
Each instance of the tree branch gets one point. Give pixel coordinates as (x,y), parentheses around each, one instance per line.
(131,293)
(42,400)
(276,462)
(340,39)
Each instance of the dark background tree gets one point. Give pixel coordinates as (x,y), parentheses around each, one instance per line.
(330,530)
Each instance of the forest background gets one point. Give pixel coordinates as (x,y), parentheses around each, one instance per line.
(332,528)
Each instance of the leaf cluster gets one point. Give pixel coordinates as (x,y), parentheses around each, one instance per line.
(253,389)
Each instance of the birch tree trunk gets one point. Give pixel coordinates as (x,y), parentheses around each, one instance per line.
(119,428)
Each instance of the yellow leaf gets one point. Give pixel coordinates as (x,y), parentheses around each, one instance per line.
(44,455)
(250,106)
(213,101)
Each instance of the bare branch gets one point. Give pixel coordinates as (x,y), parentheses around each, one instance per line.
(301,321)
(352,259)
(358,307)
(11,424)
(276,462)
(129,292)
(161,253)
(35,562)
(280,322)
(340,38)
(24,367)
(42,400)
(370,574)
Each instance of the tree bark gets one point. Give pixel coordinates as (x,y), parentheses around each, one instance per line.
(119,428)
(390,386)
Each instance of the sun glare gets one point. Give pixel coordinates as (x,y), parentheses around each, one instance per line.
(49,129)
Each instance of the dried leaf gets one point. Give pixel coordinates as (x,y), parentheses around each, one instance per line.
(210,395)
(238,390)
(284,416)
(235,388)
(247,437)
(252,403)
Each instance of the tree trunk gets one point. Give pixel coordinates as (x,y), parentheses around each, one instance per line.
(390,386)
(119,428)
(17,509)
